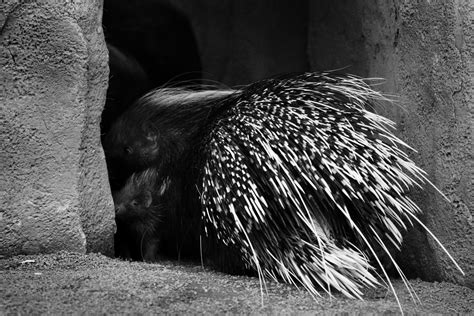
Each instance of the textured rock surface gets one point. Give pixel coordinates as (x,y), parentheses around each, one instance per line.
(54,189)
(424,50)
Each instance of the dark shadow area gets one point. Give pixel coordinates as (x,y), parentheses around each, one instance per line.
(150,44)
(336,38)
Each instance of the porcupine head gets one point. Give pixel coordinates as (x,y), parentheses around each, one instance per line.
(131,144)
(160,128)
(149,134)
(141,209)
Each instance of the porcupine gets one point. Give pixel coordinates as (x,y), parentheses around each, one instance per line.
(144,206)
(294,172)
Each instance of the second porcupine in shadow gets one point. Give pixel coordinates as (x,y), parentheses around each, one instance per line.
(150,225)
(150,219)
(143,208)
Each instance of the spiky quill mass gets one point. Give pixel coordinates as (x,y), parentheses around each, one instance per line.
(297,173)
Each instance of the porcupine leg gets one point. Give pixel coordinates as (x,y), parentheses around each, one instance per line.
(150,249)
(122,246)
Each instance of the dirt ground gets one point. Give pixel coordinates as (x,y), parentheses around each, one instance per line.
(95,284)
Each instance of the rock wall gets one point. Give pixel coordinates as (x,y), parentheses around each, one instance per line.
(435,76)
(54,189)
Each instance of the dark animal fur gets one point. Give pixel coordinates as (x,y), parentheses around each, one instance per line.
(142,208)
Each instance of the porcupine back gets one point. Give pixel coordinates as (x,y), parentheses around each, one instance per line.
(297,169)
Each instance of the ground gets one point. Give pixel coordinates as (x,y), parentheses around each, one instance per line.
(93,284)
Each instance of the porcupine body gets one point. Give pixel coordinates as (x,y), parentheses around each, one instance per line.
(293,172)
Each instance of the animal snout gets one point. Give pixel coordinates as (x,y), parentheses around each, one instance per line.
(119,210)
